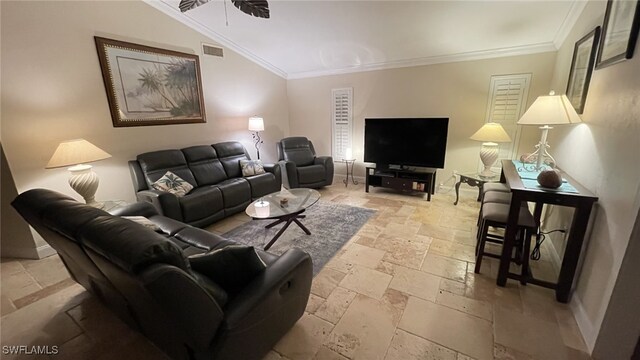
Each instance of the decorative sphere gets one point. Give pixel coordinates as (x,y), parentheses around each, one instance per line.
(550,179)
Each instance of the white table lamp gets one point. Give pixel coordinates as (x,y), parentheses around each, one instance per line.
(348,154)
(548,110)
(256,124)
(490,134)
(78,152)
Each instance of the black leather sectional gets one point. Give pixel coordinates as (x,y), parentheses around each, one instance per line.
(214,170)
(145,277)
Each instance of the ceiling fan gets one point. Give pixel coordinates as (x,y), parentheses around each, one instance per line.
(257,8)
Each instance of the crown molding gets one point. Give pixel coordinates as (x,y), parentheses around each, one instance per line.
(431,60)
(222,40)
(569,21)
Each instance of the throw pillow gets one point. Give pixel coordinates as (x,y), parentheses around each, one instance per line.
(143,221)
(172,183)
(216,292)
(231,267)
(251,167)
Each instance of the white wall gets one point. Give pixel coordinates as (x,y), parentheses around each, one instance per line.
(456,90)
(602,154)
(52,90)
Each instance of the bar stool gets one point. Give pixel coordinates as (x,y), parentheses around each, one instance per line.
(494,186)
(495,215)
(493,197)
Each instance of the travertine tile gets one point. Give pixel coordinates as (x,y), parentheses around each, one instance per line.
(304,339)
(335,305)
(526,333)
(540,302)
(445,267)
(327,280)
(18,285)
(44,322)
(387,267)
(501,352)
(480,287)
(405,346)
(314,303)
(408,252)
(396,298)
(272,355)
(140,349)
(571,335)
(47,271)
(436,232)
(327,354)
(101,324)
(6,306)
(363,256)
(458,331)
(365,330)
(366,240)
(405,230)
(451,286)
(467,305)
(462,356)
(340,264)
(366,281)
(416,283)
(10,266)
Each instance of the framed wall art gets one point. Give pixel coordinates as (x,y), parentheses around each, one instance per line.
(619,32)
(584,55)
(150,86)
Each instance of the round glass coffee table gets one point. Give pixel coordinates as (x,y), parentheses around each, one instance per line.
(284,206)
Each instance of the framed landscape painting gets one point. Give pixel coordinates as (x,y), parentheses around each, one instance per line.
(150,86)
(619,32)
(584,55)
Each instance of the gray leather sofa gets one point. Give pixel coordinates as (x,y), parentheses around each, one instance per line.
(145,277)
(302,167)
(213,170)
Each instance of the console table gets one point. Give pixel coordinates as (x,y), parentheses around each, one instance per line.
(582,201)
(473,179)
(423,180)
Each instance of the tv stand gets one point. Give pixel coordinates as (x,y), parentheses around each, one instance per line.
(423,180)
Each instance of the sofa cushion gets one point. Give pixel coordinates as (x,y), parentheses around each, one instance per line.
(155,164)
(232,267)
(235,192)
(204,164)
(130,246)
(173,184)
(143,221)
(251,167)
(201,203)
(311,174)
(297,149)
(230,153)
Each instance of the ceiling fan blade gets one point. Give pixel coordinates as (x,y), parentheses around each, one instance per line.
(257,8)
(186,5)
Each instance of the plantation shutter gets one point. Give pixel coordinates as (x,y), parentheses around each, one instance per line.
(342,121)
(507,102)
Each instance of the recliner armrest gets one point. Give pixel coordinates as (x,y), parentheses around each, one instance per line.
(327,162)
(166,204)
(276,171)
(139,208)
(283,286)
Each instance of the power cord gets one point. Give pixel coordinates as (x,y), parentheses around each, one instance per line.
(535,253)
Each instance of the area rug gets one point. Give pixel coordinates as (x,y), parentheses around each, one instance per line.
(331,226)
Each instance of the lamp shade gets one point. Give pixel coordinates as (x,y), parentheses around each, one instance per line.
(256,123)
(550,110)
(491,132)
(74,152)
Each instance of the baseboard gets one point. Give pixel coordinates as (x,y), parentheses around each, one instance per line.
(45,251)
(588,331)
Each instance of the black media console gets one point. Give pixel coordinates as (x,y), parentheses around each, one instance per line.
(423,180)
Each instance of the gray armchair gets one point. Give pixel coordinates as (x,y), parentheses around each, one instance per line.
(302,167)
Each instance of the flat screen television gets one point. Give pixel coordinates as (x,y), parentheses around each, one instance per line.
(402,142)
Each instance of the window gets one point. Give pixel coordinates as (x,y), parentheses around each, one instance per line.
(507,99)
(342,121)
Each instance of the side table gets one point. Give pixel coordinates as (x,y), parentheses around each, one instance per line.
(473,179)
(348,162)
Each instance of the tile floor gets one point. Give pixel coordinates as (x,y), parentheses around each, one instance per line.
(402,288)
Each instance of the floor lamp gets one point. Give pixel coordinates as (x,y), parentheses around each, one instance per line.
(77,153)
(256,124)
(490,134)
(547,110)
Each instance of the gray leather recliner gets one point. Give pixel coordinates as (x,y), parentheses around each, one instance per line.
(302,167)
